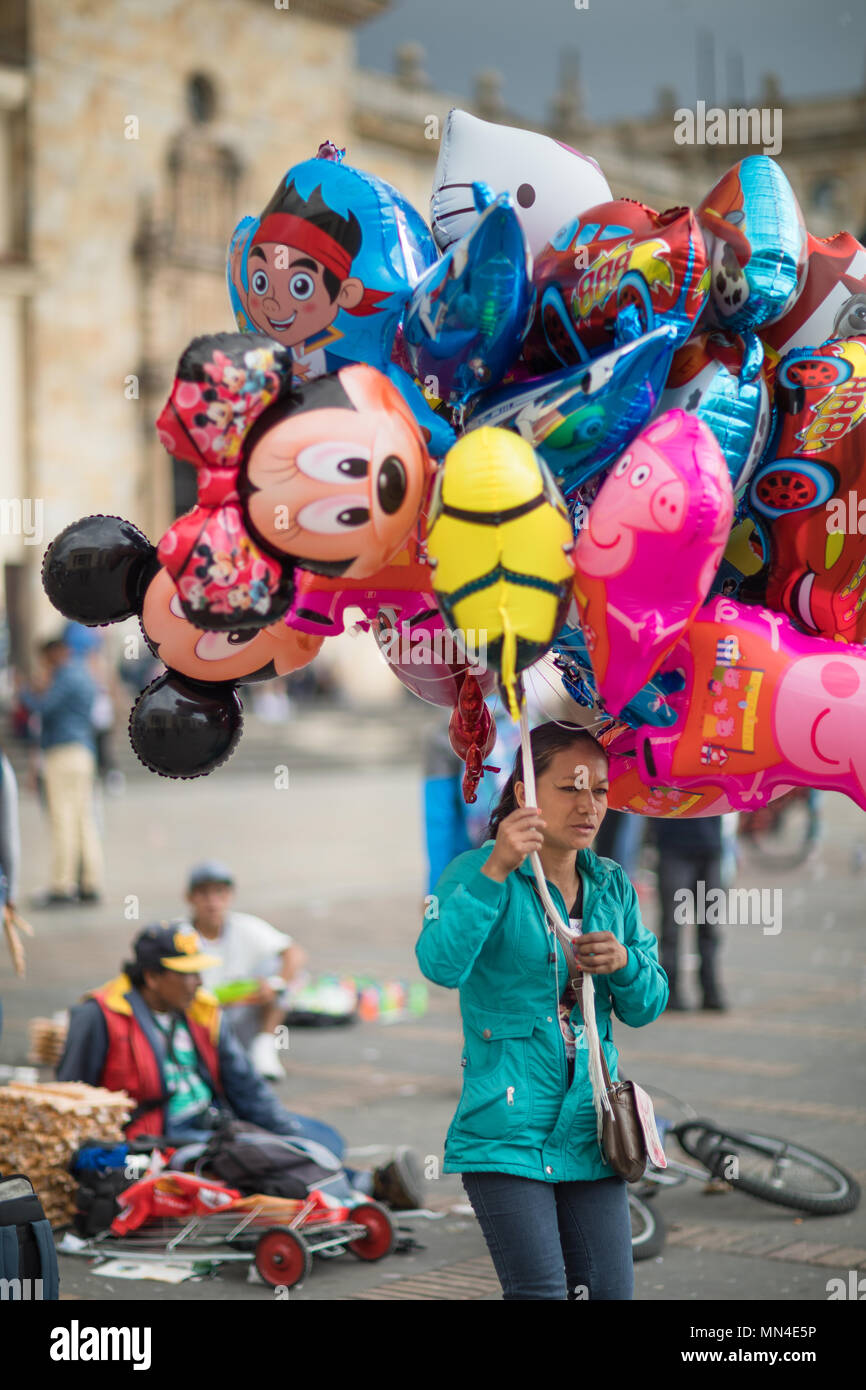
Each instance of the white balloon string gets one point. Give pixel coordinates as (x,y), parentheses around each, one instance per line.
(590,1028)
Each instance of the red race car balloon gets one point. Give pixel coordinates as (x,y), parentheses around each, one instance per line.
(805,497)
(619,269)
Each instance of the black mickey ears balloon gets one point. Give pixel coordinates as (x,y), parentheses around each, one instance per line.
(97,570)
(181,729)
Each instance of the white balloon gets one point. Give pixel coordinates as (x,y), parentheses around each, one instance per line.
(551,183)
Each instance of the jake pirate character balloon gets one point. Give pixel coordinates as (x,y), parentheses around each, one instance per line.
(328,476)
(327,270)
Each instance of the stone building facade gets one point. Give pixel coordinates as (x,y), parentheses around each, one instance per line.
(134,133)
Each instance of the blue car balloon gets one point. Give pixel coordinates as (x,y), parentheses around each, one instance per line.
(581,418)
(756,244)
(468,314)
(717,376)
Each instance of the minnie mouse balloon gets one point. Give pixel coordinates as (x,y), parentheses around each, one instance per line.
(328,476)
(101,570)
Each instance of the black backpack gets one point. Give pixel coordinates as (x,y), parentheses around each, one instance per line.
(255,1161)
(28,1259)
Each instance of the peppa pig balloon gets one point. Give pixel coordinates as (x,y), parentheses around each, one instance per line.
(763,706)
(647,555)
(756,244)
(629,792)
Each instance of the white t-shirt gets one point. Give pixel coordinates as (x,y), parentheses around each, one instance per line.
(248,947)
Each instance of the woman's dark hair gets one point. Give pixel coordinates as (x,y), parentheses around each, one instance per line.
(545,741)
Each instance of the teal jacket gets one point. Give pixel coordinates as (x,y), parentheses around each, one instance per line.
(517,1113)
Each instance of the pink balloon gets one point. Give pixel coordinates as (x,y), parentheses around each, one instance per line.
(629,791)
(764,706)
(648,553)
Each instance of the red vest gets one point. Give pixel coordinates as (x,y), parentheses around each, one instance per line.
(131,1064)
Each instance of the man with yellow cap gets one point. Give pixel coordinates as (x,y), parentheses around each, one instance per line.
(155,1033)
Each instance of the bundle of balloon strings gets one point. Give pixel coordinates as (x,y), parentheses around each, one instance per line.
(560,930)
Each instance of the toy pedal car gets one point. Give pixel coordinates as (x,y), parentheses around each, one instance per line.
(180,1218)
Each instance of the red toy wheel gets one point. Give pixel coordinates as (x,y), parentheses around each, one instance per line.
(786,490)
(282,1257)
(379,1240)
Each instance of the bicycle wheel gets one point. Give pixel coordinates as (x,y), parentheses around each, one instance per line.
(647,1230)
(776,1171)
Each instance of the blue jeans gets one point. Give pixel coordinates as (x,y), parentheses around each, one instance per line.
(563,1241)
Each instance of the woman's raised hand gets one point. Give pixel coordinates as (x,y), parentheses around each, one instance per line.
(518,835)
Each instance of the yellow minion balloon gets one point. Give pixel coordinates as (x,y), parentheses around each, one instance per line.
(500,541)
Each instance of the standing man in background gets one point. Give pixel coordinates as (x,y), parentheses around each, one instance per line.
(690,851)
(249,949)
(62,694)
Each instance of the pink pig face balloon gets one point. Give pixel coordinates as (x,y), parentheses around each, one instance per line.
(647,556)
(764,706)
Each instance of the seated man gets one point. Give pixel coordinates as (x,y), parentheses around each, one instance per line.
(154,1033)
(249,949)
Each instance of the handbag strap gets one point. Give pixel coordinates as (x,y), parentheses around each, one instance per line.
(575,974)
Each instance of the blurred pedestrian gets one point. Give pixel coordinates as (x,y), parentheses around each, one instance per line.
(250,951)
(620,838)
(62,694)
(690,853)
(10,849)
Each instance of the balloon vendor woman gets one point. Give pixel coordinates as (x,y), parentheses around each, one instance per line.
(554,1213)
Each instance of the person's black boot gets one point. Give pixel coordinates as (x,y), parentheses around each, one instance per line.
(714,1001)
(399,1184)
